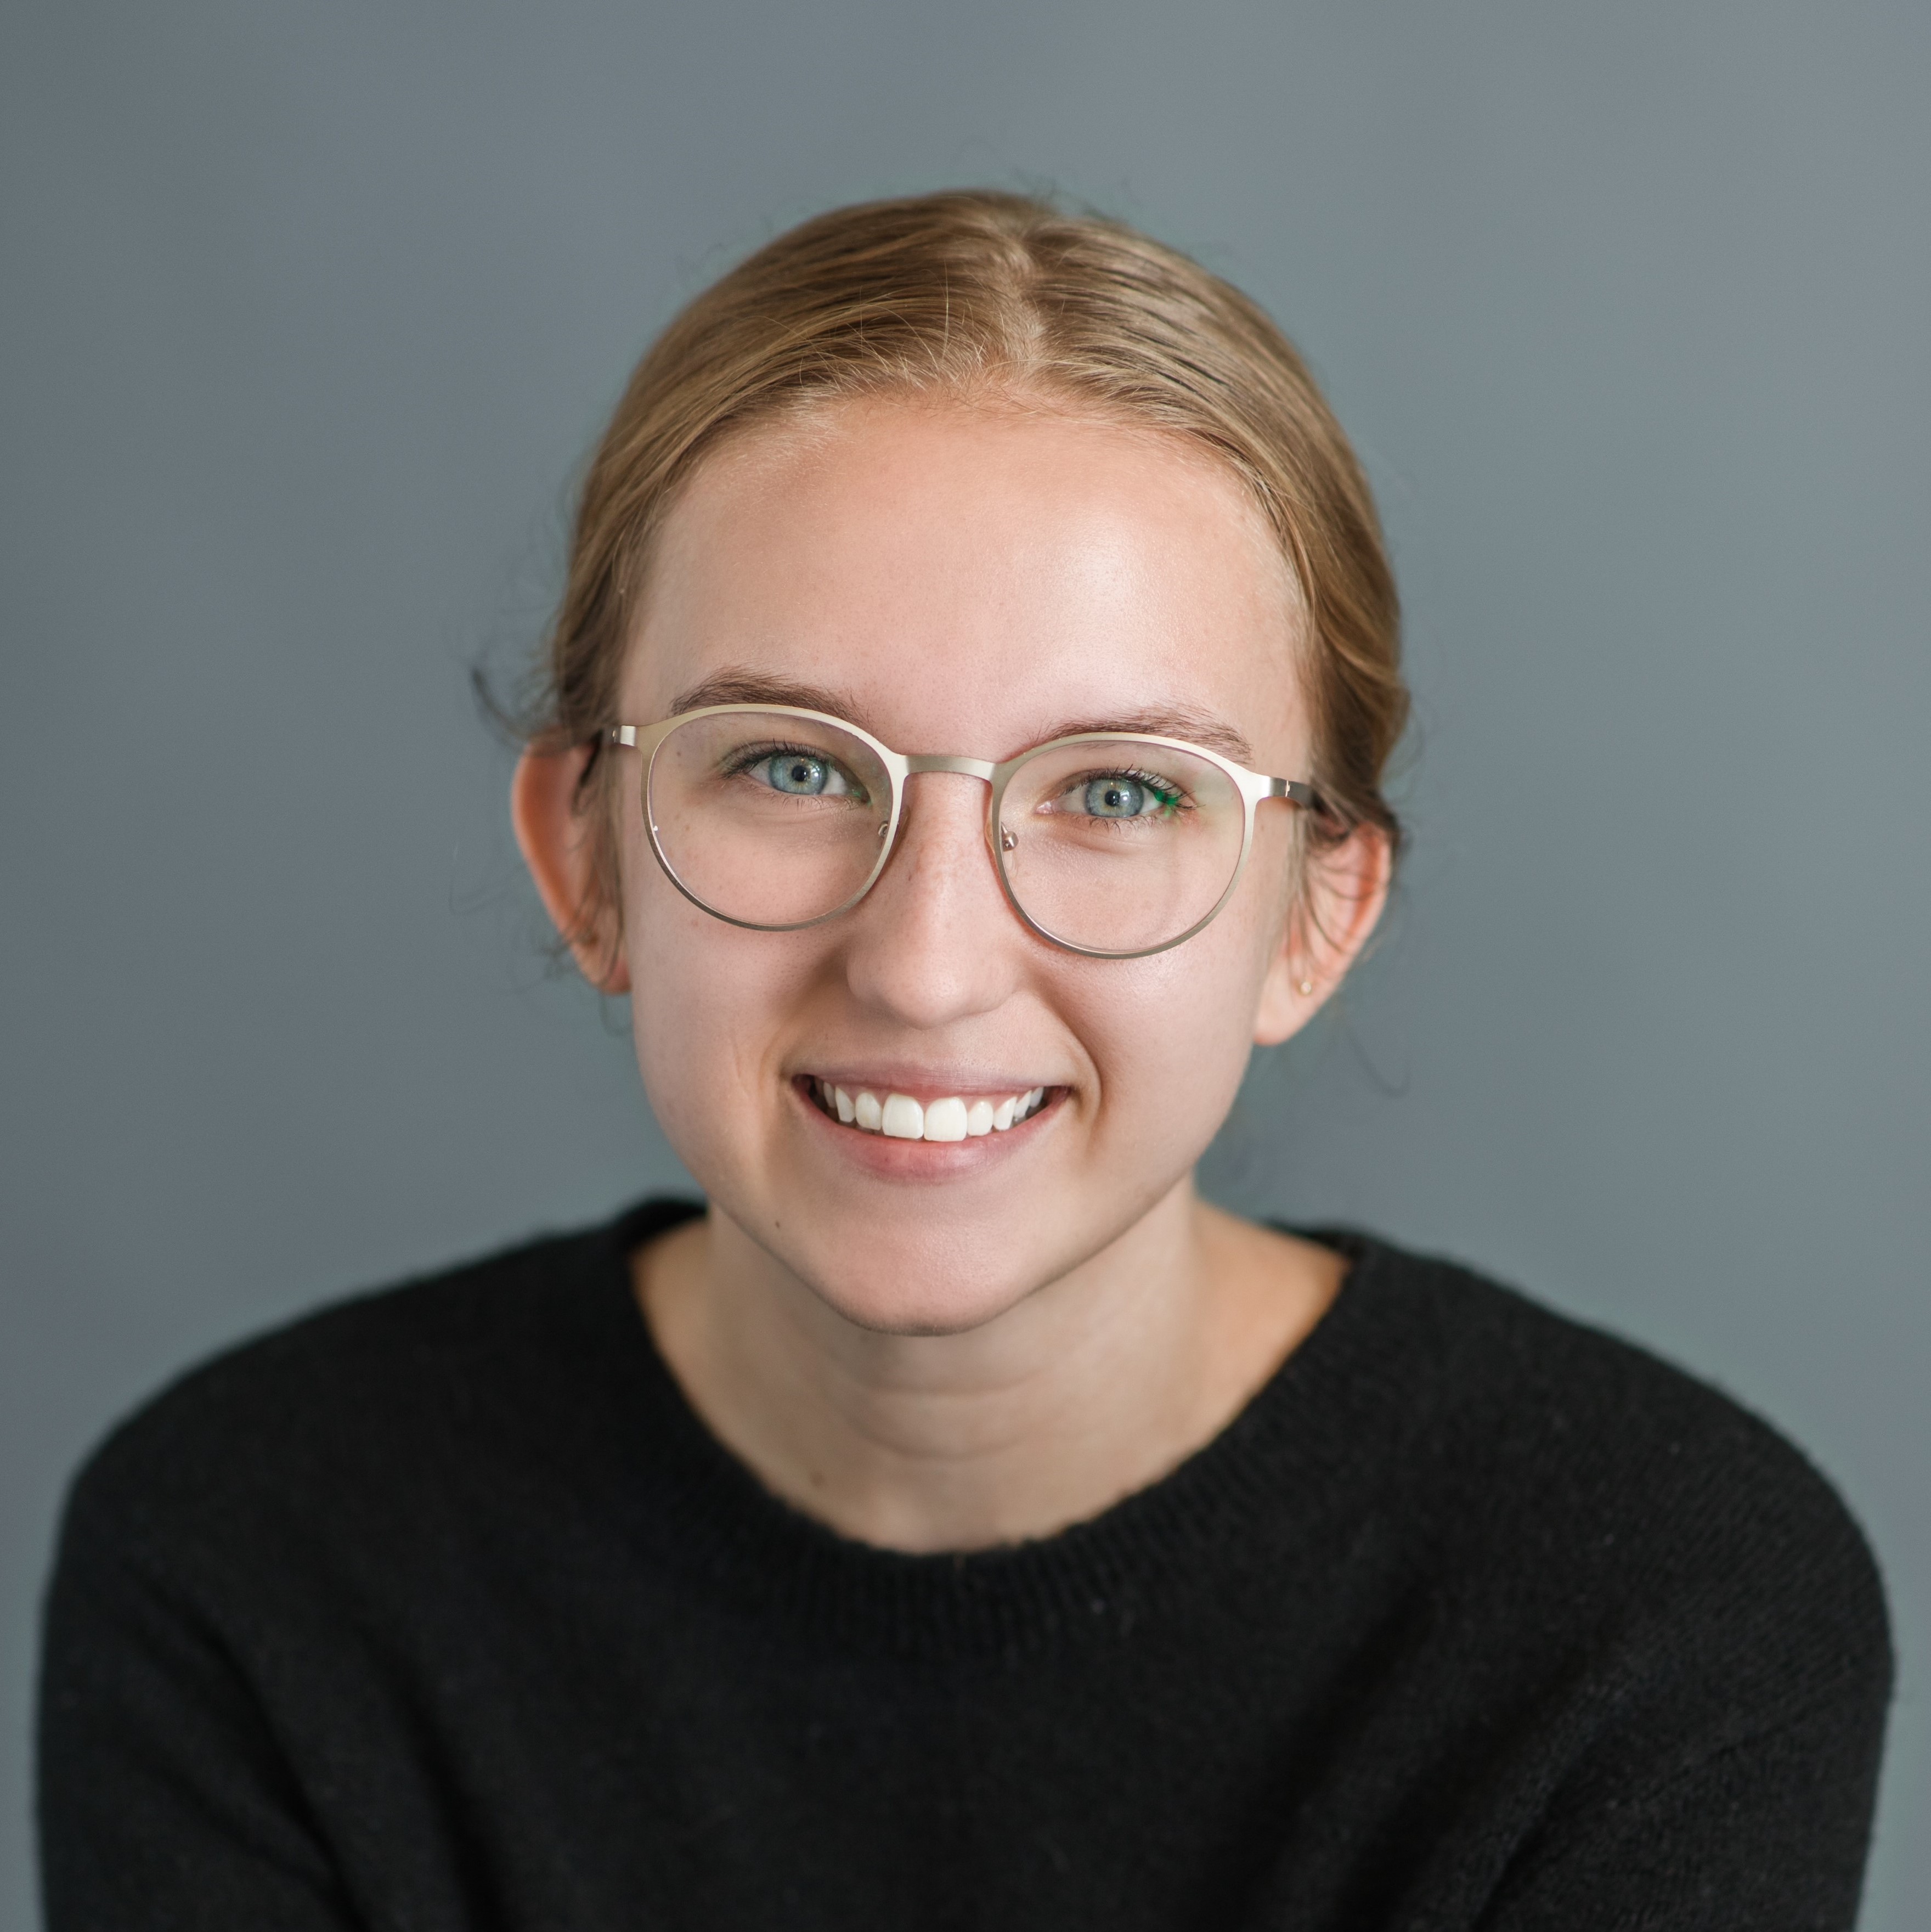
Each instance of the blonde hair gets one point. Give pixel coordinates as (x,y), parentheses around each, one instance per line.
(975,293)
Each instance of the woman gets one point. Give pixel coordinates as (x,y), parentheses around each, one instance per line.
(963,738)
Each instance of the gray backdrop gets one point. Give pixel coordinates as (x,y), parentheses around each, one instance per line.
(310,311)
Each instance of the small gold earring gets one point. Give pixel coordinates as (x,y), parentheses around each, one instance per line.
(1306,988)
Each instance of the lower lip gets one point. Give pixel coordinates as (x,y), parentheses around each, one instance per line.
(893,1159)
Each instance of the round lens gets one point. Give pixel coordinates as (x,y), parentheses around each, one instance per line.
(1116,845)
(766,818)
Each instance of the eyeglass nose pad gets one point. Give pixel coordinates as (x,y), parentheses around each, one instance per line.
(1007,840)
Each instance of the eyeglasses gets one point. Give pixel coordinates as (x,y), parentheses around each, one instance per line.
(1114,845)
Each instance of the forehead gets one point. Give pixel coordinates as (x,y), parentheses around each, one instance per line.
(973,579)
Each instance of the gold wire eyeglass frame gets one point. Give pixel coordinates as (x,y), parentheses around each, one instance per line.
(1254,787)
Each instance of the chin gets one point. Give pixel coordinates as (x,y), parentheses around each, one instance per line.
(932,1299)
(893,1312)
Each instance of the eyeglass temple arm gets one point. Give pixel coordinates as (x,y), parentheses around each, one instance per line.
(1295,793)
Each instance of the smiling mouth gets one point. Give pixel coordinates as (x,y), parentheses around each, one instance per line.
(900,1118)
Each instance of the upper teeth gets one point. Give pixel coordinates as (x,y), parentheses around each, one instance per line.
(901,1118)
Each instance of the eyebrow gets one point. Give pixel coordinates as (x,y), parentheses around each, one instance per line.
(1165,721)
(1175,721)
(739,687)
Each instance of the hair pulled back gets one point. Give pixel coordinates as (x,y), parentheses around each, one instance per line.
(975,293)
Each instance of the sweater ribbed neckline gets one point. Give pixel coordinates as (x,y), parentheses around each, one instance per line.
(1306,1445)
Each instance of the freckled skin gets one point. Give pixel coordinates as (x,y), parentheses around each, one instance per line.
(944,1346)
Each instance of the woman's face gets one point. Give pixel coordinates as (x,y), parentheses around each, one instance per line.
(971,581)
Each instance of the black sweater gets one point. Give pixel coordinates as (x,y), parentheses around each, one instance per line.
(441,1609)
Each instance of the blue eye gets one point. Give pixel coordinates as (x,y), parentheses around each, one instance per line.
(797,773)
(1118,795)
(794,771)
(1115,798)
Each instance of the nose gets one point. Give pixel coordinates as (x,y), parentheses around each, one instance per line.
(935,940)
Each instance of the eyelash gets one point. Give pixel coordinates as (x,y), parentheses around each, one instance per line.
(749,757)
(1172,797)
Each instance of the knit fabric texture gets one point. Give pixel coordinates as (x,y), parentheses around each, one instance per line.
(442,1610)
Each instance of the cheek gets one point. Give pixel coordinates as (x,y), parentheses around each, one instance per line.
(1172,1035)
(705,1001)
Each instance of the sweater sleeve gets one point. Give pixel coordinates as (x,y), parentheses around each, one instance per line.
(1765,1834)
(1723,1770)
(164,1801)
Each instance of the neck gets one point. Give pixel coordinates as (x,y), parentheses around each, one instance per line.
(1096,1384)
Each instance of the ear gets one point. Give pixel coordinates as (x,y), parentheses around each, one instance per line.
(1345,889)
(557,837)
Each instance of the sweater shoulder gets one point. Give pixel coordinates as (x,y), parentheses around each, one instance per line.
(1606,1421)
(1572,1460)
(376,1388)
